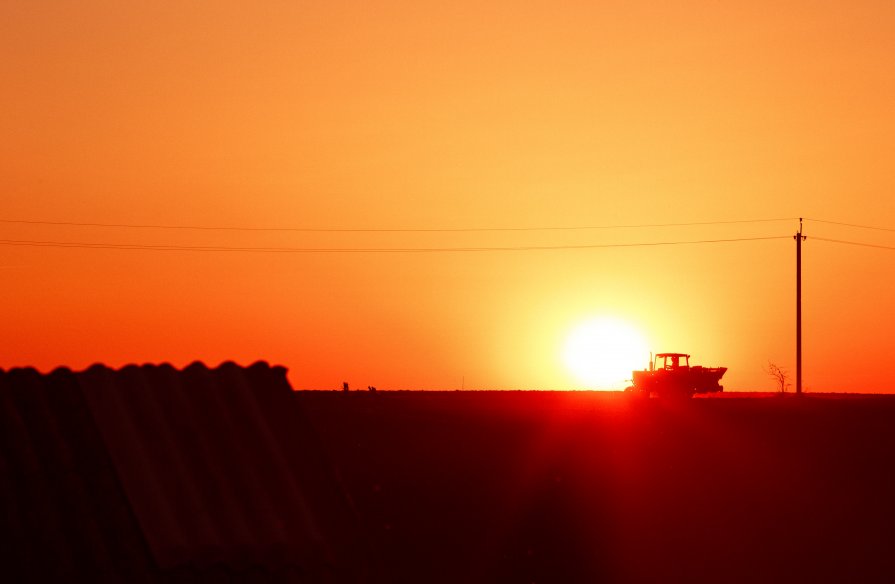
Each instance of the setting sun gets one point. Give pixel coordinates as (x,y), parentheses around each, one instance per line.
(602,352)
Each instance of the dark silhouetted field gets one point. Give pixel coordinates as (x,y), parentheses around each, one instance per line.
(589,487)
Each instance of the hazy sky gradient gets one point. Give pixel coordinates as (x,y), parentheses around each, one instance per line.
(449,115)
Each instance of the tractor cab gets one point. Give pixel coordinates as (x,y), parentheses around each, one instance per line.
(671,361)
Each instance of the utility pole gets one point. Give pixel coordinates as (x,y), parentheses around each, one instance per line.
(799,238)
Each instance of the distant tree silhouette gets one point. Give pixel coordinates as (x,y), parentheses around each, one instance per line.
(371,388)
(345,386)
(779,375)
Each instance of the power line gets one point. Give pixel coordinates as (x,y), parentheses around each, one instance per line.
(381,230)
(142,247)
(853,243)
(850,225)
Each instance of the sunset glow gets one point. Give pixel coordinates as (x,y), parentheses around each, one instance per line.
(430,195)
(602,352)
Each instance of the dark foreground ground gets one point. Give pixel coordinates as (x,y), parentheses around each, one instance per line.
(588,487)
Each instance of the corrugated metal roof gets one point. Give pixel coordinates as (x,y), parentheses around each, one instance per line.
(152,472)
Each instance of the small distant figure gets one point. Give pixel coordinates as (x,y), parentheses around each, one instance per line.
(371,389)
(345,386)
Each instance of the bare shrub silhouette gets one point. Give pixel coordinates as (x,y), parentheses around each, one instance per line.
(779,375)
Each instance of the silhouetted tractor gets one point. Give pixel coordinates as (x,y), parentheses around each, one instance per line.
(670,375)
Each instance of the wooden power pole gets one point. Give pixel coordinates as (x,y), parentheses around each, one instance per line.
(799,238)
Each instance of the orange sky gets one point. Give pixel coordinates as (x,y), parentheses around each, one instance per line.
(423,116)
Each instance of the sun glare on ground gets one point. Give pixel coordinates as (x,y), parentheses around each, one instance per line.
(602,352)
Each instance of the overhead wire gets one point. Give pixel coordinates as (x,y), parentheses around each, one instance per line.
(857,243)
(258,249)
(144,247)
(855,225)
(383,230)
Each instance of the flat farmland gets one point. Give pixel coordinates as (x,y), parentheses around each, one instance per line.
(586,486)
